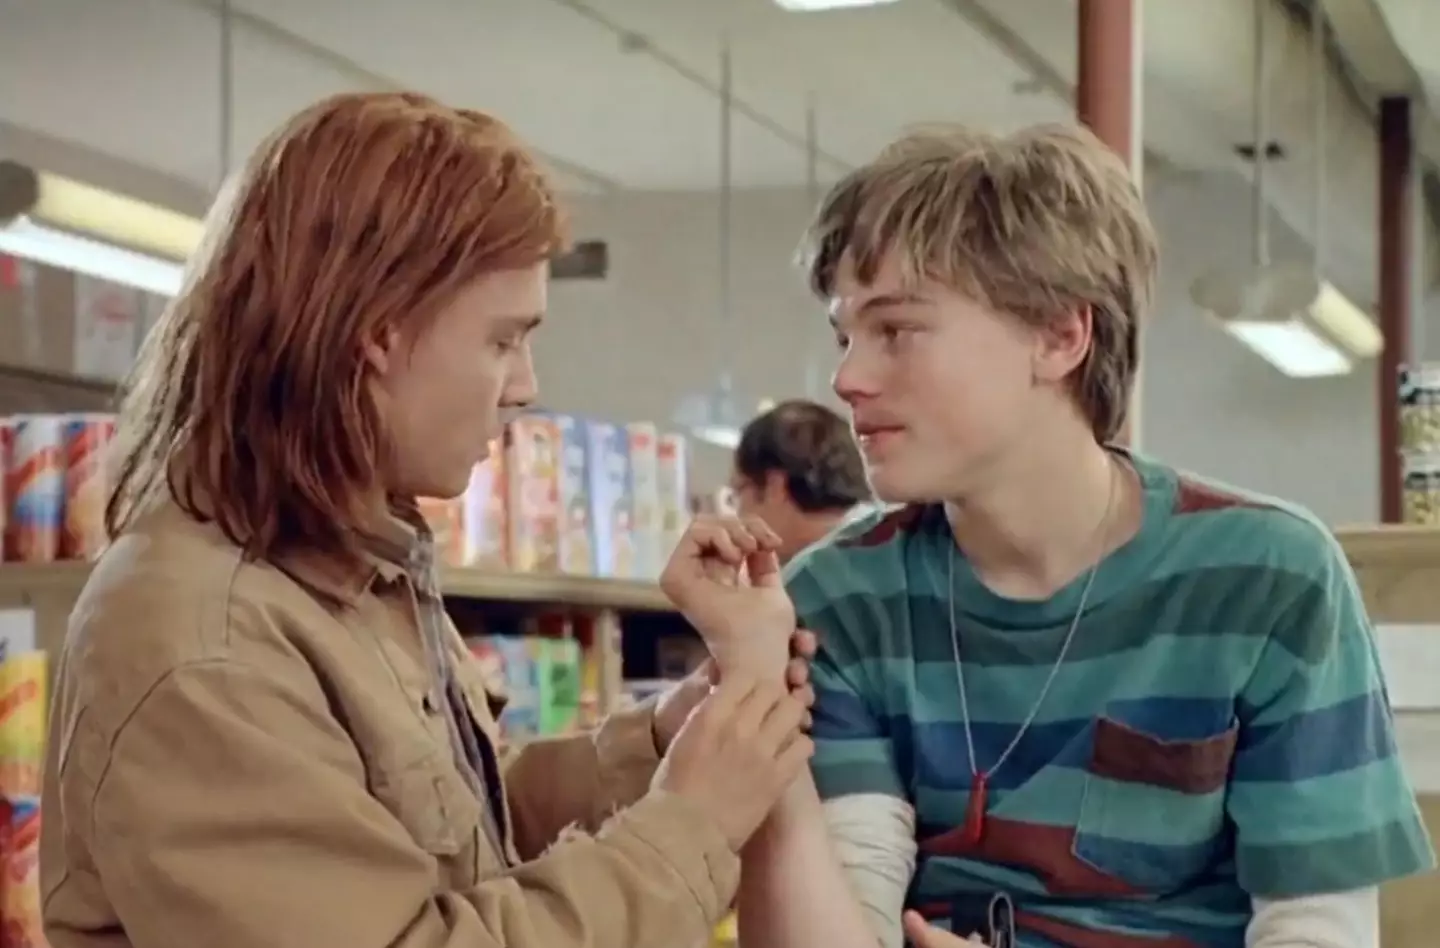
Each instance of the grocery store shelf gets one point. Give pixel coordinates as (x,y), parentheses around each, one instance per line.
(43,576)
(582,592)
(539,589)
(1390,545)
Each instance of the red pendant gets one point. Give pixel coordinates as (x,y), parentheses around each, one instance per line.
(974,829)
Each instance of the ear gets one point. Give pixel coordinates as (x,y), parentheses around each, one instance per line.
(774,486)
(1062,345)
(381,351)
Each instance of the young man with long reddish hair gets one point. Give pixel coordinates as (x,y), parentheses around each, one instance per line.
(266,733)
(1067,696)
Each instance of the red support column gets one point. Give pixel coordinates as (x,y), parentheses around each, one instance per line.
(1394,282)
(1107,87)
(1107,101)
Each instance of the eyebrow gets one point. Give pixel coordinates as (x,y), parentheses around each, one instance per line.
(519,322)
(883,301)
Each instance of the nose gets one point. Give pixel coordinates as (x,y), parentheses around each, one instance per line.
(854,381)
(522,388)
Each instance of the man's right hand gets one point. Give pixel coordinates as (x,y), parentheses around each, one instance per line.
(739,751)
(724,577)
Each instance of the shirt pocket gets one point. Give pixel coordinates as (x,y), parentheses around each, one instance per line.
(417,780)
(1152,813)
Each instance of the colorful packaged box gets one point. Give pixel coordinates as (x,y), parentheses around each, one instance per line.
(672,483)
(559,673)
(35,488)
(485,513)
(444,519)
(576,544)
(22,724)
(86,440)
(20,856)
(645,499)
(532,470)
(521,718)
(610,508)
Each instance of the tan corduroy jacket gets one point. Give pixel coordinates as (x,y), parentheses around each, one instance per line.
(245,755)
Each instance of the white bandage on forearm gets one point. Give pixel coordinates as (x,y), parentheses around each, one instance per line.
(874,839)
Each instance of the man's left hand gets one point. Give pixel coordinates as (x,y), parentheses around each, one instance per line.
(676,704)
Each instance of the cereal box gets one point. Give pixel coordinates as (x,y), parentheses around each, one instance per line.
(521,718)
(559,675)
(672,482)
(532,471)
(442,516)
(485,514)
(645,499)
(35,488)
(576,551)
(610,515)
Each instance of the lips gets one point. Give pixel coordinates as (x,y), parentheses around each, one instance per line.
(872,438)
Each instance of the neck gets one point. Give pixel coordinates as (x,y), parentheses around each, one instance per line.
(1044,516)
(812,528)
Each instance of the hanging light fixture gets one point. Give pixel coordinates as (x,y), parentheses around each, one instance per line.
(715,417)
(1289,314)
(59,222)
(816,6)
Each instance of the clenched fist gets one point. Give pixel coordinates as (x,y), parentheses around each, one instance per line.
(724,577)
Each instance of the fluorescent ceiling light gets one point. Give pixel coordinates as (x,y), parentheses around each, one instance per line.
(74,226)
(56,248)
(1297,322)
(722,436)
(813,6)
(1293,348)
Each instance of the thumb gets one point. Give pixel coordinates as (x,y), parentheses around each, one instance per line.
(922,934)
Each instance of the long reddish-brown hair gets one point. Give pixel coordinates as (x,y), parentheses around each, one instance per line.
(363,214)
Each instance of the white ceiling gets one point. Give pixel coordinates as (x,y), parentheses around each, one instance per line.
(623,94)
(620,93)
(1415,25)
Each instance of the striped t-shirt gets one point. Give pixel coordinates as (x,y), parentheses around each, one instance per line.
(1219,730)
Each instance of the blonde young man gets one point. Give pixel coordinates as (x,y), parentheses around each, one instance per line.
(266,733)
(1068,697)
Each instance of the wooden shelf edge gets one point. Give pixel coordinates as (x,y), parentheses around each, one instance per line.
(1382,545)
(584,592)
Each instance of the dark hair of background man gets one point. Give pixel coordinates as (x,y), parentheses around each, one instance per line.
(813,448)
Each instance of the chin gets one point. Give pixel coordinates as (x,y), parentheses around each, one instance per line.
(893,484)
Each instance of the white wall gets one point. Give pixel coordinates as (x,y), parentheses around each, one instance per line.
(631,346)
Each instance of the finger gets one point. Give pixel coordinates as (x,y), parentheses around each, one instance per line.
(767,538)
(797,673)
(781,725)
(709,671)
(793,760)
(742,535)
(921,933)
(763,568)
(713,539)
(805,695)
(804,643)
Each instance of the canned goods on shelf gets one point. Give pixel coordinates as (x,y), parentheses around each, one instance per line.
(1421,491)
(1420,408)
